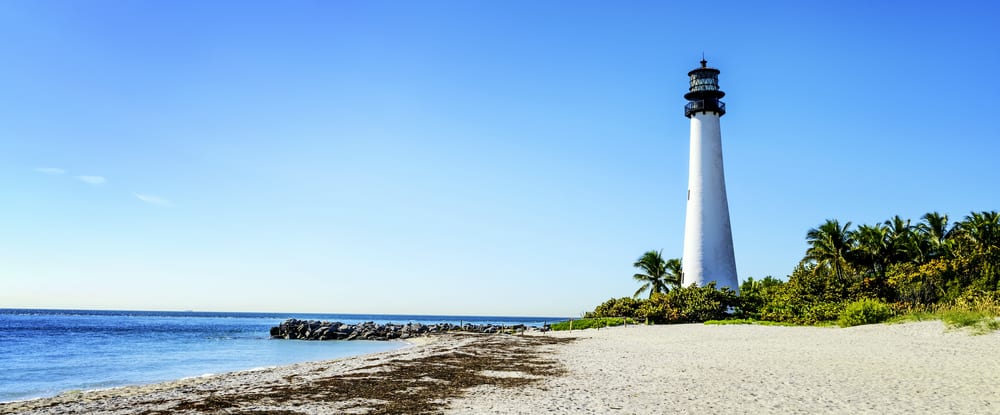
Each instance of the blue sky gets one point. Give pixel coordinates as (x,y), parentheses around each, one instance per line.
(460,157)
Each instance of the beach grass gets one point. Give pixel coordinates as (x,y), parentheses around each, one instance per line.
(748,321)
(913,316)
(973,317)
(591,323)
(976,322)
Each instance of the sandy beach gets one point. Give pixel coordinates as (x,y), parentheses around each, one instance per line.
(903,368)
(698,369)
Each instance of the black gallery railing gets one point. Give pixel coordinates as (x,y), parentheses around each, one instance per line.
(706,105)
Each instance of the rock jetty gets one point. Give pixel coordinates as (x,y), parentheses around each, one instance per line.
(293,329)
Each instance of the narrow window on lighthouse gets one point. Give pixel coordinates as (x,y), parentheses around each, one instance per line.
(689,194)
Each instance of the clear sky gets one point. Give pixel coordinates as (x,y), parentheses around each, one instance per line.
(460,157)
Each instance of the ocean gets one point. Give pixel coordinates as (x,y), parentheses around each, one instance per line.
(45,352)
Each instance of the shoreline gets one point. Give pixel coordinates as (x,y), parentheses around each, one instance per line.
(404,344)
(901,368)
(114,348)
(440,365)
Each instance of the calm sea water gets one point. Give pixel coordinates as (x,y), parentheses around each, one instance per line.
(44,352)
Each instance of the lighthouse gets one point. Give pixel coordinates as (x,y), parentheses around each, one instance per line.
(708,236)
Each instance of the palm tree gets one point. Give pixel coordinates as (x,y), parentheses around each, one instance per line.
(829,248)
(936,235)
(658,275)
(871,248)
(903,246)
(983,230)
(674,273)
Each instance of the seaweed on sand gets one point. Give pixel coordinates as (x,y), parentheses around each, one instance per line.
(421,385)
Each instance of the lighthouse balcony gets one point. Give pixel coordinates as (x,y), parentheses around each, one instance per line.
(705,105)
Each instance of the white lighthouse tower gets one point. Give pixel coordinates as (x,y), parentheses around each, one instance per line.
(708,237)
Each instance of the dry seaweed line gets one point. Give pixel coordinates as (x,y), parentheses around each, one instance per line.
(417,386)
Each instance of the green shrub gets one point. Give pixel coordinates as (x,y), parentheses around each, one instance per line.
(689,305)
(793,302)
(782,308)
(617,307)
(695,304)
(865,311)
(755,294)
(657,310)
(821,312)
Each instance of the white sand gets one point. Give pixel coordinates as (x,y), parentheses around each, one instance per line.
(698,369)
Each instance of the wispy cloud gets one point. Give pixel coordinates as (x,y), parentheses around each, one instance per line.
(50,170)
(153,200)
(93,180)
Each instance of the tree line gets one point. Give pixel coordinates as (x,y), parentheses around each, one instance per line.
(891,267)
(920,263)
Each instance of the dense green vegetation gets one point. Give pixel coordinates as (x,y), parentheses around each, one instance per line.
(928,266)
(682,305)
(847,276)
